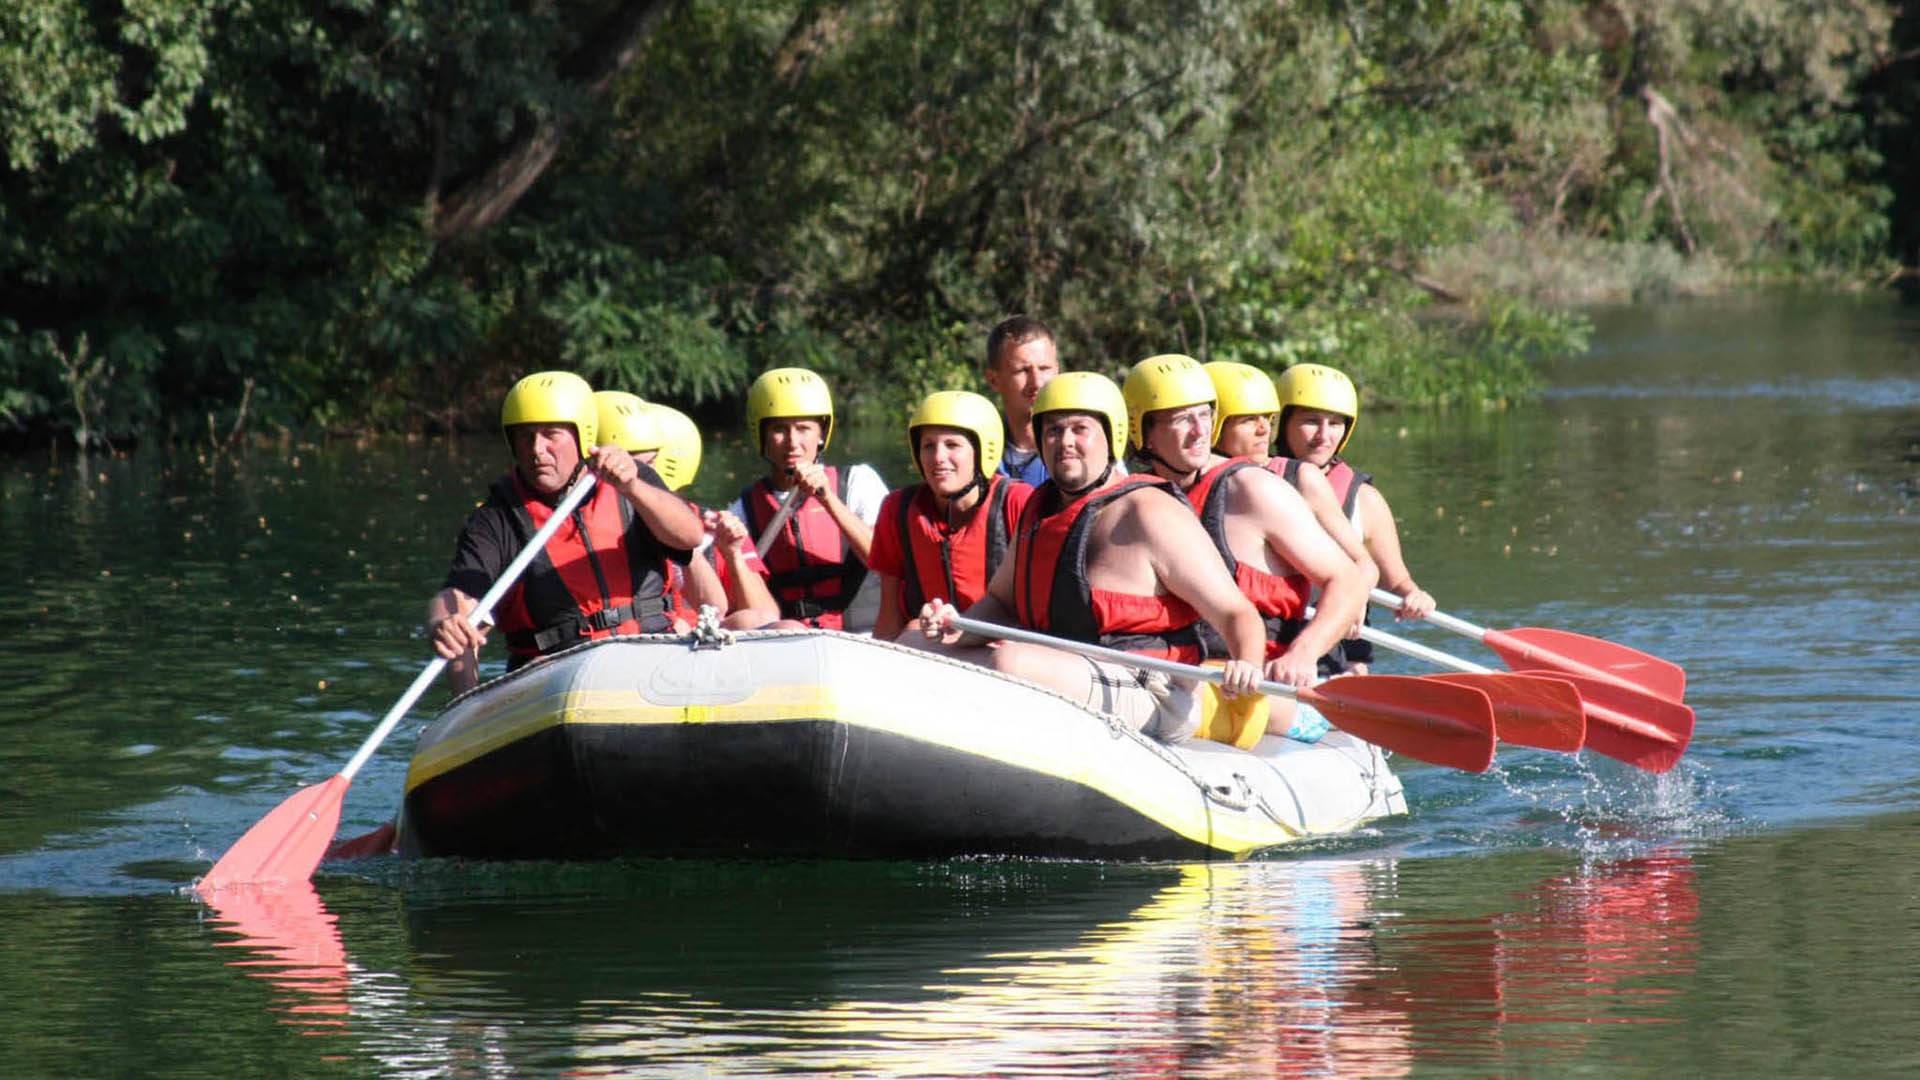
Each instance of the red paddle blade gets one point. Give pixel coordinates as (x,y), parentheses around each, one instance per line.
(286,844)
(1529,710)
(1640,729)
(1435,722)
(1532,648)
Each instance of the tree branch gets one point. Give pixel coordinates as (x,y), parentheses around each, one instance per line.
(609,49)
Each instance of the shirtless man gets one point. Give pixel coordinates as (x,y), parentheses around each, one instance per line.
(1120,562)
(1263,529)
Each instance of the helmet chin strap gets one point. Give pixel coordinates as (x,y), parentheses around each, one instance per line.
(953,501)
(1099,480)
(1185,478)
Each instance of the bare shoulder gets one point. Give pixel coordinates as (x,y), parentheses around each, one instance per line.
(1258,489)
(1146,511)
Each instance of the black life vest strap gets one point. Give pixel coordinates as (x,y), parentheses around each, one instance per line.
(576,626)
(1187,637)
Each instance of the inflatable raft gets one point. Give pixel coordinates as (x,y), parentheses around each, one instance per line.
(820,743)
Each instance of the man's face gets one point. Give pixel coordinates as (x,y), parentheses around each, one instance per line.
(546,454)
(1017,375)
(1074,447)
(1182,438)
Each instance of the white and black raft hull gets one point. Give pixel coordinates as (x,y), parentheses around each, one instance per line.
(815,743)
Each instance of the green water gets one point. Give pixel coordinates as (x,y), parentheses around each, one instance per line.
(1733,486)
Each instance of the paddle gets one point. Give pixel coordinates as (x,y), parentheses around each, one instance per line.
(1435,722)
(794,498)
(1623,723)
(1528,710)
(1533,648)
(289,842)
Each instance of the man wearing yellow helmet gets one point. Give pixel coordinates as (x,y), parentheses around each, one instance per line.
(601,574)
(944,537)
(1318,409)
(730,577)
(817,564)
(1021,360)
(1107,560)
(1262,528)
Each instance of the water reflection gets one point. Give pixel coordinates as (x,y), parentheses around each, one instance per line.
(293,943)
(1291,968)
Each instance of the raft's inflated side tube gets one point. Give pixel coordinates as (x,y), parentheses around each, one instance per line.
(817,743)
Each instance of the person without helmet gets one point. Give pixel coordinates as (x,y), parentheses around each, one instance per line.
(1318,410)
(600,574)
(1263,530)
(728,577)
(817,564)
(1021,359)
(1108,560)
(943,537)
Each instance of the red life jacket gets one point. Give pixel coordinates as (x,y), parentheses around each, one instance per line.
(929,551)
(587,582)
(1346,480)
(811,570)
(1051,591)
(1280,600)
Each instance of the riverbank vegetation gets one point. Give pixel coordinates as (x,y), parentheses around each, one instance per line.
(222,217)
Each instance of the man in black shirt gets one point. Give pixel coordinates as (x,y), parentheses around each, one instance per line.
(600,574)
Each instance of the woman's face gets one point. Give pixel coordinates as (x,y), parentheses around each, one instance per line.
(1314,434)
(1246,435)
(946,460)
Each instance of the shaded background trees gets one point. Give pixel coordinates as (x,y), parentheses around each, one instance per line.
(218,217)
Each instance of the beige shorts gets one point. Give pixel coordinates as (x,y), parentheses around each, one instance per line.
(1165,708)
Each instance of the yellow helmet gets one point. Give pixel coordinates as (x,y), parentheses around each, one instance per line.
(625,422)
(553,397)
(789,393)
(969,412)
(679,457)
(1316,386)
(1088,392)
(1167,381)
(1244,390)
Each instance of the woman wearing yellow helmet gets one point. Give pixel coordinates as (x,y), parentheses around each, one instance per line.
(944,537)
(1318,411)
(1249,416)
(817,565)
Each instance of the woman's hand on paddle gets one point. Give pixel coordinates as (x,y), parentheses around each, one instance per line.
(813,477)
(729,532)
(1239,678)
(1417,604)
(453,636)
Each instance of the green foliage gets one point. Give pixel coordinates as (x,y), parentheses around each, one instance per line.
(222,215)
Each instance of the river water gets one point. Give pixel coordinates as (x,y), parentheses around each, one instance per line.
(1734,486)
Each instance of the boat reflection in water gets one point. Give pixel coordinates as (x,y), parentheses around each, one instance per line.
(1305,967)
